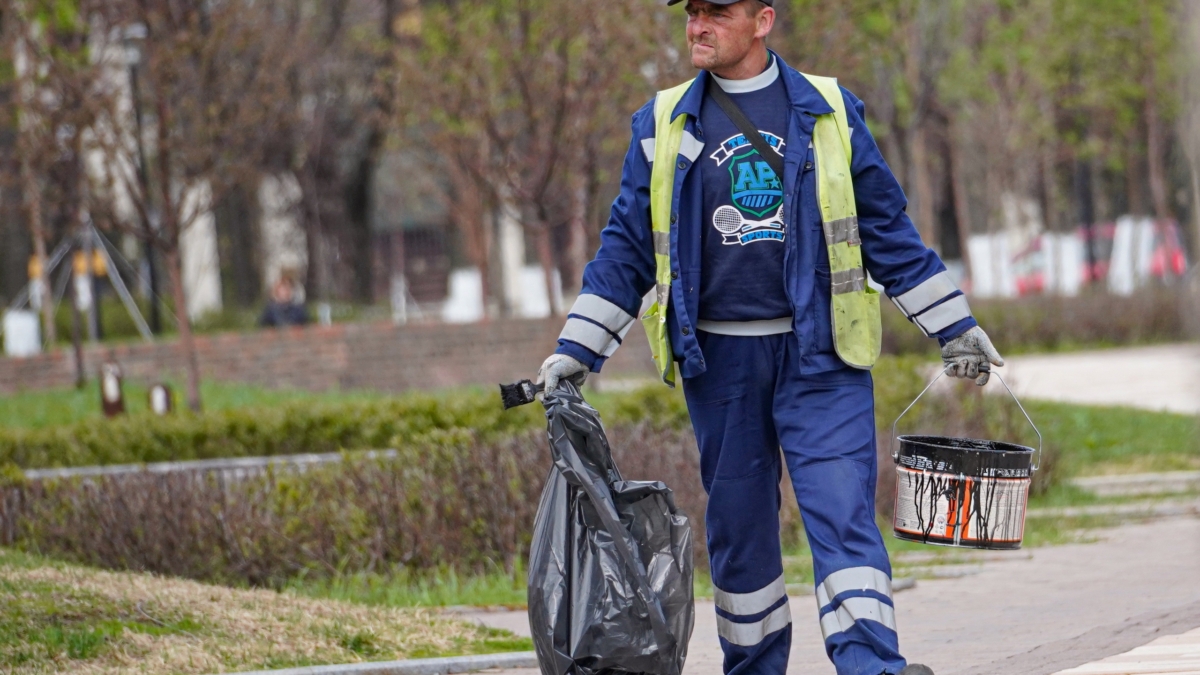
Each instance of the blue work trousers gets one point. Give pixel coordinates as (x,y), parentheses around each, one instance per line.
(750,402)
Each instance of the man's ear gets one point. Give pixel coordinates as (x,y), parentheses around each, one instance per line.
(766,20)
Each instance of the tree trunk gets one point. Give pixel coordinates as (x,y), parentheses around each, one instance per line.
(1155,157)
(359,205)
(1189,121)
(186,342)
(577,242)
(33,203)
(76,337)
(1155,153)
(1134,185)
(545,251)
(33,206)
(924,187)
(962,210)
(1195,209)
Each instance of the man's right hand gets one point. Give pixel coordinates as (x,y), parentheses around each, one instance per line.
(561,366)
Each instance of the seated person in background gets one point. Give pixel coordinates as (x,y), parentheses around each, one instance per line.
(282,309)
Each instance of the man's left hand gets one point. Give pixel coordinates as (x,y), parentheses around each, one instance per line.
(965,354)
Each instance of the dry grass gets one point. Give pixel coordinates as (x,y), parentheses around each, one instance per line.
(60,618)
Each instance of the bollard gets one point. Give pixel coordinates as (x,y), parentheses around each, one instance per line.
(161,400)
(112,400)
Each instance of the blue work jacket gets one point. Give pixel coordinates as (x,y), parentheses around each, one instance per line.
(623,270)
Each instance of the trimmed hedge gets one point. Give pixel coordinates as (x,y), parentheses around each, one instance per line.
(305,427)
(293,428)
(450,498)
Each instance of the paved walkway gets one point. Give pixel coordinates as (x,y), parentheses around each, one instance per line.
(1164,377)
(1030,612)
(1171,654)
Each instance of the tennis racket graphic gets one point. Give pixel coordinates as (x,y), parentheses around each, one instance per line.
(734,226)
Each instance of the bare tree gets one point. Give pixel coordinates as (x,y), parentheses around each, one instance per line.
(47,41)
(1189,121)
(214,88)
(523,97)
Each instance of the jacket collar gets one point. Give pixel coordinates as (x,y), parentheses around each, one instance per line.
(803,96)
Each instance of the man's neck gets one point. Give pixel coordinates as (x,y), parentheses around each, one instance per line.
(754,63)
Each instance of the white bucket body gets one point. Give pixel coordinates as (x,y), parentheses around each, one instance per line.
(962,492)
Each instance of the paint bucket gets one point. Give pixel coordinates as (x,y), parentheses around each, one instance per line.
(962,492)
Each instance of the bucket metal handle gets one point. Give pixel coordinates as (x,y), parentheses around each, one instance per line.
(983,368)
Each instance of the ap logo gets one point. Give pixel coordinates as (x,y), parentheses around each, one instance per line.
(756,192)
(754,187)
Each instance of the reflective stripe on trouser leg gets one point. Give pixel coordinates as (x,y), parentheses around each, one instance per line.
(827,431)
(855,594)
(730,406)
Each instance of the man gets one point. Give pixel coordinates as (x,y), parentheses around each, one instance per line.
(282,309)
(762,300)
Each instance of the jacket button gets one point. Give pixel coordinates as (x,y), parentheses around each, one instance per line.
(808,166)
(687,331)
(674,217)
(674,274)
(682,165)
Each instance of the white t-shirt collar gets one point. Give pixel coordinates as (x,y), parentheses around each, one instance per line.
(760,81)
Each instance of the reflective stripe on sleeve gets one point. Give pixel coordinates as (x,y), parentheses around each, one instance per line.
(853,579)
(745,604)
(587,334)
(849,281)
(925,294)
(843,230)
(648,149)
(612,346)
(750,634)
(602,312)
(690,147)
(857,609)
(944,315)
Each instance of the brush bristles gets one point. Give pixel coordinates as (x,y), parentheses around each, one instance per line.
(517,393)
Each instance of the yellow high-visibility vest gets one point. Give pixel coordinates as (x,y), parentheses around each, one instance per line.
(857,331)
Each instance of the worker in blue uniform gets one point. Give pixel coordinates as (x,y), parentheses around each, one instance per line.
(749,325)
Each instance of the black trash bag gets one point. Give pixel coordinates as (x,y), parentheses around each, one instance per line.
(610,568)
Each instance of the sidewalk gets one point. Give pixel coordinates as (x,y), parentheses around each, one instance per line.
(1030,612)
(1164,377)
(1172,654)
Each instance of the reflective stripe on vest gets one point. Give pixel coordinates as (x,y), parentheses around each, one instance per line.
(857,329)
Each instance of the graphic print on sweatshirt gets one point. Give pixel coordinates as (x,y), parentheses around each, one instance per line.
(756,193)
(742,234)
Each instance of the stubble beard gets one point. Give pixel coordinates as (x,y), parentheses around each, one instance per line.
(716,58)
(707,59)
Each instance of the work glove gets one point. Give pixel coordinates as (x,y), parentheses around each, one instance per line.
(969,354)
(561,366)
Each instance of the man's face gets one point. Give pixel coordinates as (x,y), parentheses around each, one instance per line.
(720,36)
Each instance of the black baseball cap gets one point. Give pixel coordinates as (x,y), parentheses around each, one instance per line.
(769,3)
